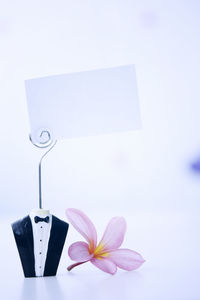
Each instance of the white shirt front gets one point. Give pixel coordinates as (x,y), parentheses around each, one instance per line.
(41,234)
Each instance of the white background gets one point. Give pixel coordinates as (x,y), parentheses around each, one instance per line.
(143,175)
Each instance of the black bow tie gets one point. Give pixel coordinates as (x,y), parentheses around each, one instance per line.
(38,219)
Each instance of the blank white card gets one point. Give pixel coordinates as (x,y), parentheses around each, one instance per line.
(84,104)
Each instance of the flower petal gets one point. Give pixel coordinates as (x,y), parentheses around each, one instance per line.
(79,251)
(83,225)
(114,234)
(126,259)
(105,265)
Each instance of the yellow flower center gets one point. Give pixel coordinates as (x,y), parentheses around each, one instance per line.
(99,252)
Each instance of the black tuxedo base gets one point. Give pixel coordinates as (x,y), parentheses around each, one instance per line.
(23,233)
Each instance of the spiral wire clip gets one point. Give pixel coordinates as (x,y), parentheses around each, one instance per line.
(47,142)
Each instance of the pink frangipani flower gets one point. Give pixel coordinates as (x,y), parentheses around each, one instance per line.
(106,255)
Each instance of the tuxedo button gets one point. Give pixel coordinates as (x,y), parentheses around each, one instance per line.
(40,226)
(40,253)
(40,240)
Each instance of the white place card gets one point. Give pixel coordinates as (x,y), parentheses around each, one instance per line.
(84,104)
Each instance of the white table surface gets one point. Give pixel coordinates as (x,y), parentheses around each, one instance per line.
(169,242)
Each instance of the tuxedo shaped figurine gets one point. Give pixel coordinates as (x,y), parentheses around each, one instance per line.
(40,238)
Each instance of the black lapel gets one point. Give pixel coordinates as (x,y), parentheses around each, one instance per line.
(57,238)
(23,234)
